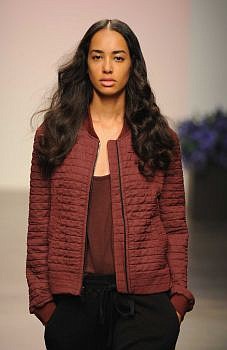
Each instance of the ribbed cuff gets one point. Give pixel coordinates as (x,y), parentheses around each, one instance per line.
(44,313)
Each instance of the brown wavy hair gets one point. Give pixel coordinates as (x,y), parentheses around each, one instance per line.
(152,138)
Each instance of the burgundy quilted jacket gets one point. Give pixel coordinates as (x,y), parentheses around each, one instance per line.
(149,225)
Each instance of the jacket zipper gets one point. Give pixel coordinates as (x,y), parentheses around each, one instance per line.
(86,237)
(122,208)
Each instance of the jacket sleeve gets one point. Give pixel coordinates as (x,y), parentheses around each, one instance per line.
(173,216)
(40,298)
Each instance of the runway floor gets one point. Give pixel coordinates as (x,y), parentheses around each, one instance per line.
(204,328)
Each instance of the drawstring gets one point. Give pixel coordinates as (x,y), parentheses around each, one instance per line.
(109,299)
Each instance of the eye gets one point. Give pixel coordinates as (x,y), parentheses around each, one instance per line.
(96,57)
(119,58)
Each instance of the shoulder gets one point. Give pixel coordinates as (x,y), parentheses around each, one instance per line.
(175,138)
(173,134)
(39,131)
(176,148)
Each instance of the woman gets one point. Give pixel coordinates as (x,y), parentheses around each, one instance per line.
(107,236)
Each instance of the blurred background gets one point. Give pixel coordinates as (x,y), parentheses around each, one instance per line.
(184,46)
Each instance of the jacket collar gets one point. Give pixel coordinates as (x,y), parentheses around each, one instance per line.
(88,125)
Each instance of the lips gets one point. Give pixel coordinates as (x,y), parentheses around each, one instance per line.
(107,82)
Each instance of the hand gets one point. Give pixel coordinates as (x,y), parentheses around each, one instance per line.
(179,316)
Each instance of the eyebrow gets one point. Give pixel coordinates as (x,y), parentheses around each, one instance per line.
(115,51)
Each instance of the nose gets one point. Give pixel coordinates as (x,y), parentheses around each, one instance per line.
(107,66)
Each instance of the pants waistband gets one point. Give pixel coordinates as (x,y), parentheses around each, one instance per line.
(99,279)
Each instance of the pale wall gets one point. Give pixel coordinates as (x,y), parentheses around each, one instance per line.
(208,55)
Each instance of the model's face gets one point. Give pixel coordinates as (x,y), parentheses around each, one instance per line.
(109,62)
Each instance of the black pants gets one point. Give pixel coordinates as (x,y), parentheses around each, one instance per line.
(104,319)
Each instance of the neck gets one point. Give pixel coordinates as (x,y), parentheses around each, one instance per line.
(108,109)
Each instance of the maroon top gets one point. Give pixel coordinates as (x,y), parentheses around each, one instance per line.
(100,243)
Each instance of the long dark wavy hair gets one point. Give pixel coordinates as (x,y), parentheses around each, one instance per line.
(151,135)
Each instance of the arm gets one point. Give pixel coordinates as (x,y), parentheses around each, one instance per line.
(40,299)
(172,209)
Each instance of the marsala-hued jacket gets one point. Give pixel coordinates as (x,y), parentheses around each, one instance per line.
(150,232)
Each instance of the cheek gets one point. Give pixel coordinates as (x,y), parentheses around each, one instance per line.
(125,74)
(93,71)
(93,76)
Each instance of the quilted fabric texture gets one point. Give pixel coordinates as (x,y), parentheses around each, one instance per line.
(149,225)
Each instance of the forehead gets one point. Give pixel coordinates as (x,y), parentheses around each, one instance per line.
(108,40)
